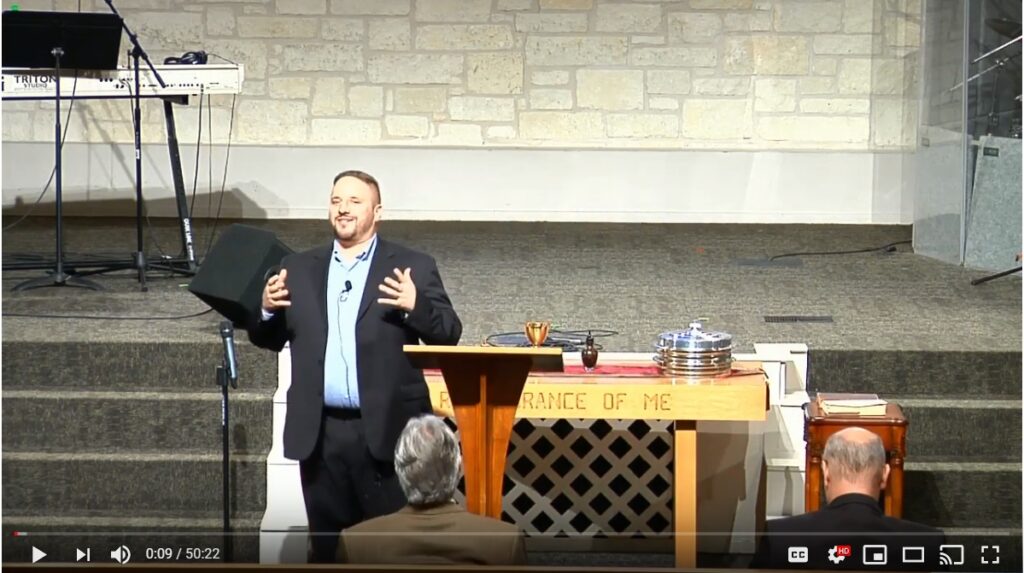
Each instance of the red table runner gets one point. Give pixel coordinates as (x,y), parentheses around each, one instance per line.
(622,370)
(599,370)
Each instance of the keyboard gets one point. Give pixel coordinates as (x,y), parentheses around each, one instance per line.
(180,80)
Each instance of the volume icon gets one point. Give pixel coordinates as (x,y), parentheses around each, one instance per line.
(122,555)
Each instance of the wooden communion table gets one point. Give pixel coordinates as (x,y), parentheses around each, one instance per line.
(486,388)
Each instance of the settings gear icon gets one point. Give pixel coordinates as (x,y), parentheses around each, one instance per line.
(834,556)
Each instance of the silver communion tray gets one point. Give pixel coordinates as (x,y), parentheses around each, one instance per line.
(694,352)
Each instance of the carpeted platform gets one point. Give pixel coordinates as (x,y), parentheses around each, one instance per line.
(116,419)
(637,279)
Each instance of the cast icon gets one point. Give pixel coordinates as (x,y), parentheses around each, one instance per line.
(951,555)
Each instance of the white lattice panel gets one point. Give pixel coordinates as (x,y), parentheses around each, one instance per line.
(593,478)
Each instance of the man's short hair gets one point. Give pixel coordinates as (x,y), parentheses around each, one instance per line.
(428,461)
(362,176)
(854,460)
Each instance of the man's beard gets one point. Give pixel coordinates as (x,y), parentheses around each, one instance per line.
(348,230)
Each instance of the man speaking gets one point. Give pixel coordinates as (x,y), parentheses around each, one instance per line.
(347,308)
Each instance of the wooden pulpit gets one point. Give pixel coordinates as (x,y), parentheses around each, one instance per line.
(485,384)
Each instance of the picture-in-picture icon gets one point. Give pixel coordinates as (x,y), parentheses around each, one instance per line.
(875,555)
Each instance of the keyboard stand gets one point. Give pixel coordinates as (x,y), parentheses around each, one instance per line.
(185,264)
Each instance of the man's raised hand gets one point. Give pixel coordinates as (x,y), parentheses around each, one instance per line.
(275,294)
(400,290)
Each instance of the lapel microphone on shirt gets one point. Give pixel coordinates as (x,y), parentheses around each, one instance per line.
(348,289)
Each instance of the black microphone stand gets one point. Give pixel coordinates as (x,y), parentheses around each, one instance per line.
(58,277)
(1000,274)
(224,378)
(139,257)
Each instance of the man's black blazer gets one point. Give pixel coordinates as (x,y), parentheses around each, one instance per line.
(855,520)
(391,391)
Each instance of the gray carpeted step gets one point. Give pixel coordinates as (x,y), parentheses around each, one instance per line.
(910,373)
(989,430)
(949,494)
(126,484)
(121,422)
(131,366)
(149,539)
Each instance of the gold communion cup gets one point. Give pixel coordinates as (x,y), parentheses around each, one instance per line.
(537,332)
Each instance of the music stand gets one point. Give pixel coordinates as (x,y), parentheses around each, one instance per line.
(68,40)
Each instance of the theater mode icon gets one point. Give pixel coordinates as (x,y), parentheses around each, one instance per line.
(798,555)
(913,554)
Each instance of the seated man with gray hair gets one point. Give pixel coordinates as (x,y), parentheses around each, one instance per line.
(855,472)
(432,528)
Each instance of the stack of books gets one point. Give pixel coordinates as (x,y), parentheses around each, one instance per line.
(851,404)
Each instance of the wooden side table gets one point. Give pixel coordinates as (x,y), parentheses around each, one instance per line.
(892,428)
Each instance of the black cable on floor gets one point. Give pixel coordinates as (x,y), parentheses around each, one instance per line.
(891,247)
(93,317)
(102,257)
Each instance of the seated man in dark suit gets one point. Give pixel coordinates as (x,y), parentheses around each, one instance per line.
(851,532)
(432,529)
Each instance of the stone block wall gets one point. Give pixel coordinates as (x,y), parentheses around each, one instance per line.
(678,74)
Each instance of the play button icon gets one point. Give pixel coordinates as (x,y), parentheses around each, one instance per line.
(37,554)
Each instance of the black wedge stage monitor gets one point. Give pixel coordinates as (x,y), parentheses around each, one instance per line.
(89,40)
(235,270)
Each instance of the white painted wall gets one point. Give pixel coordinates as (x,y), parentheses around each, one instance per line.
(636,186)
